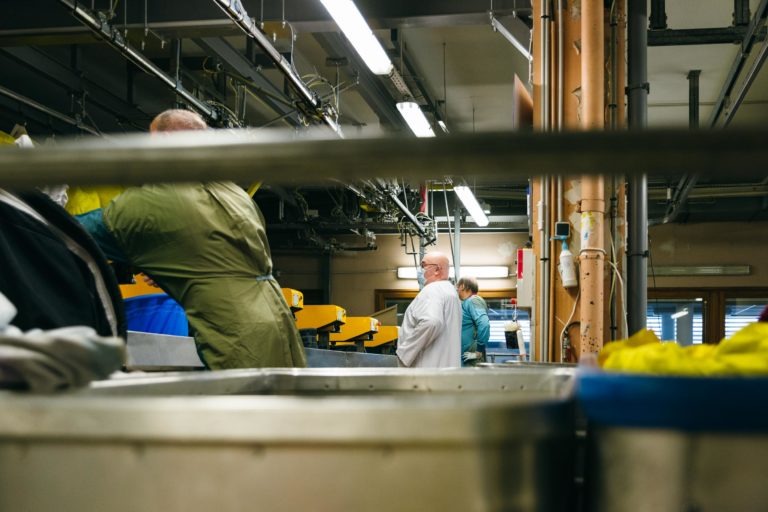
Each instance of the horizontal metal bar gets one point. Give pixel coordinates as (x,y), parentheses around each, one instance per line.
(46,110)
(279,158)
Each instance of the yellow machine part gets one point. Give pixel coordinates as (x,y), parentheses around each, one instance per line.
(138,288)
(294,299)
(356,328)
(386,334)
(321,317)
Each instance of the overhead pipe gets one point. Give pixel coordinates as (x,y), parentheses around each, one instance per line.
(46,110)
(752,35)
(237,13)
(637,216)
(114,38)
(592,253)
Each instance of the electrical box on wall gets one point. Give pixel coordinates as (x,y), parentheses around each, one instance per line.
(562,230)
(526,277)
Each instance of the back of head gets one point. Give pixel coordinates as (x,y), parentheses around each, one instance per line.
(175,120)
(469,283)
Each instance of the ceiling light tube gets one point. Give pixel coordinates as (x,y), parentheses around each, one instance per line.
(351,22)
(472,206)
(415,118)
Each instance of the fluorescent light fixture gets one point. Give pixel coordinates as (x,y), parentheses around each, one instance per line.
(699,270)
(351,22)
(415,118)
(442,125)
(480,272)
(680,314)
(470,203)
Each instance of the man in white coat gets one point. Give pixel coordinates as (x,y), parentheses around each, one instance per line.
(430,336)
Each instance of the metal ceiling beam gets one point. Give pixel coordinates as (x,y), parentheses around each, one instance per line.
(238,63)
(371,87)
(72,80)
(114,38)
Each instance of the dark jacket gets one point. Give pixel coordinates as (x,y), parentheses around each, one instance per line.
(43,275)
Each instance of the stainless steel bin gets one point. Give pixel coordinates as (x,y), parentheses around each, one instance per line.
(287,440)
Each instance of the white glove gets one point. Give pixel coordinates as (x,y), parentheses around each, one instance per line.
(468,356)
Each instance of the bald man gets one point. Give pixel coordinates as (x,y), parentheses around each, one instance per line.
(205,245)
(430,336)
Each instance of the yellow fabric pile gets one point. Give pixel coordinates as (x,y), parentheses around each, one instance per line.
(744,353)
(86,199)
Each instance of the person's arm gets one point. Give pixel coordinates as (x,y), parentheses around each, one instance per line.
(483,324)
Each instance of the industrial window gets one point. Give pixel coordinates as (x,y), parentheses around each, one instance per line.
(680,320)
(703,315)
(742,311)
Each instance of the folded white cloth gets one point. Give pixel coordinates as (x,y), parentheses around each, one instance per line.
(47,361)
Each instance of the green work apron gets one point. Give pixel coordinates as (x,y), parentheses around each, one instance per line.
(205,245)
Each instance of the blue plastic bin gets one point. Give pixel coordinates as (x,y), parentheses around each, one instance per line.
(719,404)
(156,313)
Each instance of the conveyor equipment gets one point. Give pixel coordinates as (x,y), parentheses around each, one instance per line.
(324,318)
(355,332)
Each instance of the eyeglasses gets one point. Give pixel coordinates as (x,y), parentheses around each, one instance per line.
(425,265)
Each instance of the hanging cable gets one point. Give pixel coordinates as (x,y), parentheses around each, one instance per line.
(448,222)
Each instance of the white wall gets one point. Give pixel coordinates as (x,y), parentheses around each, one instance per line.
(725,243)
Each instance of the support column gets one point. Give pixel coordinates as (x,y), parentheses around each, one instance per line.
(592,254)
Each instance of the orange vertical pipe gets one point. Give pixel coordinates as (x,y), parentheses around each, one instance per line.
(592,254)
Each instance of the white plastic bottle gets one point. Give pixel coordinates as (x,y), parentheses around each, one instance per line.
(567,268)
